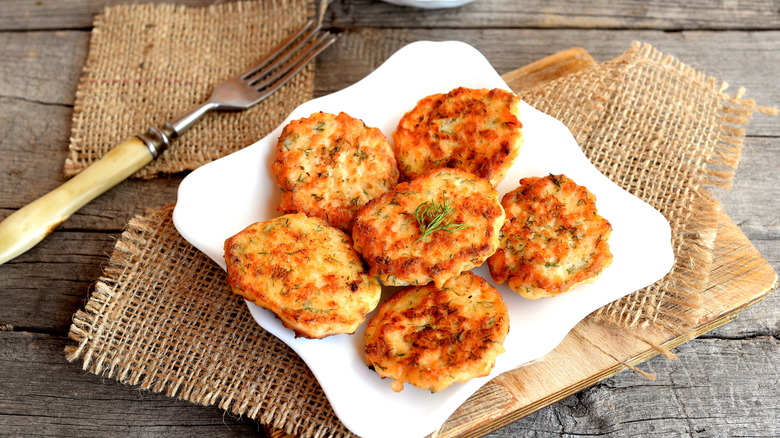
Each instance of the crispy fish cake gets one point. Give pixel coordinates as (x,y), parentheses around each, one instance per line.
(472,129)
(304,271)
(329,165)
(553,238)
(433,337)
(429,229)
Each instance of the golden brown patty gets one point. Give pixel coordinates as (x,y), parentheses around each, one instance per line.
(433,337)
(328,166)
(553,238)
(304,271)
(461,213)
(472,129)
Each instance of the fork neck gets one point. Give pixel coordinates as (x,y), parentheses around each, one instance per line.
(157,140)
(184,121)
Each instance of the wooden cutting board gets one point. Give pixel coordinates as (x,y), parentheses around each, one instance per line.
(740,277)
(591,352)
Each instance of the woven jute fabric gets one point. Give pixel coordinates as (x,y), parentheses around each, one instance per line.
(162,317)
(664,132)
(148,64)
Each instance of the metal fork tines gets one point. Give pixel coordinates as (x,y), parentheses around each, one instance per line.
(252,86)
(279,66)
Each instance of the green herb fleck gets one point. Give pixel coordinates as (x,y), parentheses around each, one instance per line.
(433,217)
(555,181)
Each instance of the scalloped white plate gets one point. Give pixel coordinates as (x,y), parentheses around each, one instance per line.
(430,4)
(221,198)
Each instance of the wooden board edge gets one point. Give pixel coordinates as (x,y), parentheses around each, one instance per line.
(546,69)
(728,232)
(611,371)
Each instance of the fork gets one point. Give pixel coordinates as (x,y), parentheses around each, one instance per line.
(29,225)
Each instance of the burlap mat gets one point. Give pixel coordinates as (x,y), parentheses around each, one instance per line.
(148,64)
(162,317)
(663,131)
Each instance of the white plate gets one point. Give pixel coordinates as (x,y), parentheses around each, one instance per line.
(221,198)
(430,4)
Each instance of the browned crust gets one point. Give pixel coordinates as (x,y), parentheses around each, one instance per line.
(387,234)
(305,272)
(432,337)
(328,166)
(553,238)
(477,130)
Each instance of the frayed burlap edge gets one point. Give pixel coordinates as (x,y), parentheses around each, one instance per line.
(150,63)
(223,362)
(674,302)
(680,308)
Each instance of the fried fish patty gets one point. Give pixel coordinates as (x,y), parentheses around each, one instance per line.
(472,129)
(429,229)
(329,165)
(553,238)
(304,271)
(433,337)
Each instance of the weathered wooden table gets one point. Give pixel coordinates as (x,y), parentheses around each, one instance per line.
(725,382)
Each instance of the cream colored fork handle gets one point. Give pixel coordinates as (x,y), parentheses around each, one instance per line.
(29,225)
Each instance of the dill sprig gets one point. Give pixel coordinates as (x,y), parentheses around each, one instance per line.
(433,217)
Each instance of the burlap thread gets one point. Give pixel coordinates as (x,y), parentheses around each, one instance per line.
(664,132)
(148,64)
(162,318)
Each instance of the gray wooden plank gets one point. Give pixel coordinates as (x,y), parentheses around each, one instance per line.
(558,14)
(562,14)
(715,388)
(33,148)
(41,394)
(752,202)
(42,67)
(62,14)
(753,205)
(37,64)
(42,288)
(743,59)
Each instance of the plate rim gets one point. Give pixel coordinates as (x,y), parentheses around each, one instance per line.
(421,46)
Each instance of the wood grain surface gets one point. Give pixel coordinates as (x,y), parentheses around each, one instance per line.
(721,384)
(592,352)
